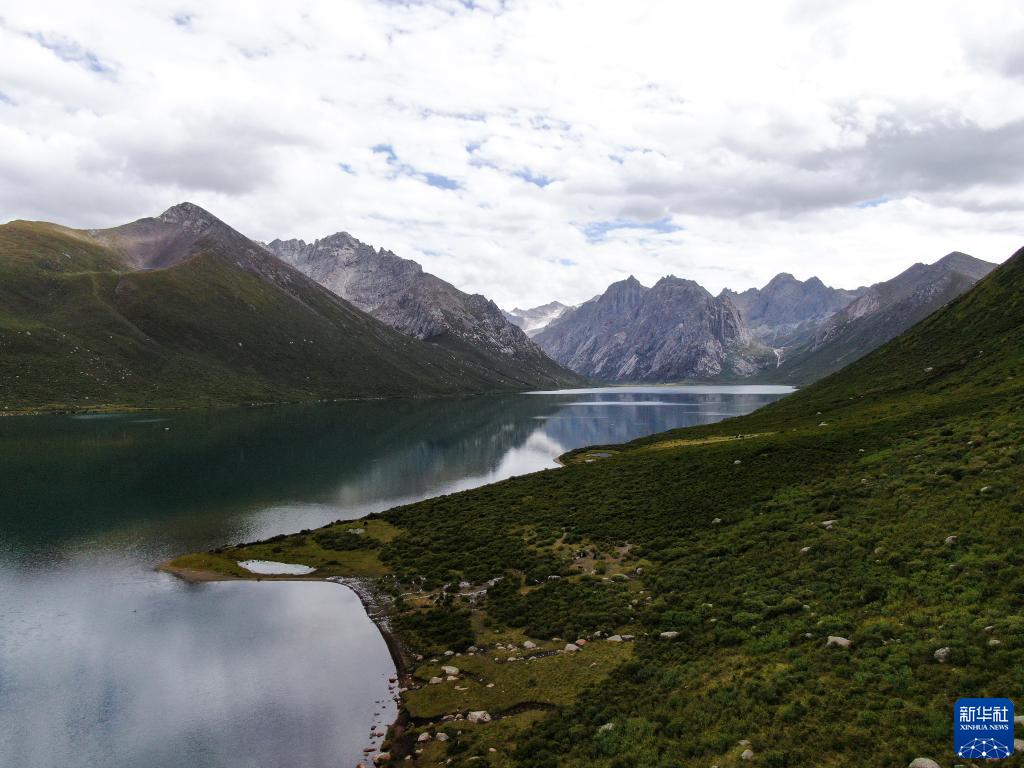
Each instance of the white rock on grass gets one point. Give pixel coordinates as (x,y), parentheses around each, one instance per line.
(952,539)
(670,635)
(804,550)
(441,737)
(827,524)
(424,737)
(838,642)
(479,716)
(571,647)
(436,680)
(747,754)
(942,654)
(450,670)
(615,639)
(529,645)
(923,762)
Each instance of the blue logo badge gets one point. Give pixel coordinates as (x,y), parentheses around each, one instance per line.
(983,728)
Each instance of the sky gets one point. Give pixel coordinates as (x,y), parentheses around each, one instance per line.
(533,151)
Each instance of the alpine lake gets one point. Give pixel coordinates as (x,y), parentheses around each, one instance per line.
(106,662)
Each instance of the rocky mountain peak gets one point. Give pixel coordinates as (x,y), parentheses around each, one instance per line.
(190,216)
(399,293)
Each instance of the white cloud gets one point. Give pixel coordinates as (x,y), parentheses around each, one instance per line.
(528,150)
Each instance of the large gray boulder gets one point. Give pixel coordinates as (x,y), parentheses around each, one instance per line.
(923,762)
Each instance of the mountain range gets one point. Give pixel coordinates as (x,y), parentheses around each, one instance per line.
(879,313)
(790,331)
(674,330)
(399,293)
(536,319)
(181,309)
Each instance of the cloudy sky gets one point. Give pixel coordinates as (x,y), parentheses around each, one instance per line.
(534,150)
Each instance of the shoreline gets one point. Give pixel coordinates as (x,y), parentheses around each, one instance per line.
(375,609)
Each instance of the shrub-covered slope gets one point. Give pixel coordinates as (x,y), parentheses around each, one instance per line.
(181,310)
(882,506)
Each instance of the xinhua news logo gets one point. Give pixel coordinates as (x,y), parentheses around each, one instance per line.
(983,728)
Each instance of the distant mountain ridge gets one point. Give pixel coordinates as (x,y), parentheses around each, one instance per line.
(880,313)
(787,310)
(790,331)
(181,310)
(536,319)
(672,331)
(398,292)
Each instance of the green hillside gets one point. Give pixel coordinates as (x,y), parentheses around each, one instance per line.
(82,328)
(882,506)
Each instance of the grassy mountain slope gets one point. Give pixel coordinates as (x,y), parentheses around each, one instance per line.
(722,534)
(81,326)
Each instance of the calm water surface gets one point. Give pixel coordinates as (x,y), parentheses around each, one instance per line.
(105,662)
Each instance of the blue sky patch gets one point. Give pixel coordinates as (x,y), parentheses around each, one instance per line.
(872,203)
(597,230)
(531,178)
(439,181)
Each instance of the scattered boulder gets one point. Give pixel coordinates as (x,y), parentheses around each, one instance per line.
(827,524)
(581,642)
(942,655)
(424,737)
(615,639)
(952,539)
(804,550)
(436,680)
(838,642)
(449,653)
(571,647)
(737,462)
(606,727)
(529,645)
(382,758)
(747,754)
(670,635)
(450,670)
(441,737)
(479,716)
(923,762)
(717,521)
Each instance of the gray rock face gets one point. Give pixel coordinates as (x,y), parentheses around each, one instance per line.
(399,293)
(788,310)
(923,762)
(879,314)
(673,331)
(534,320)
